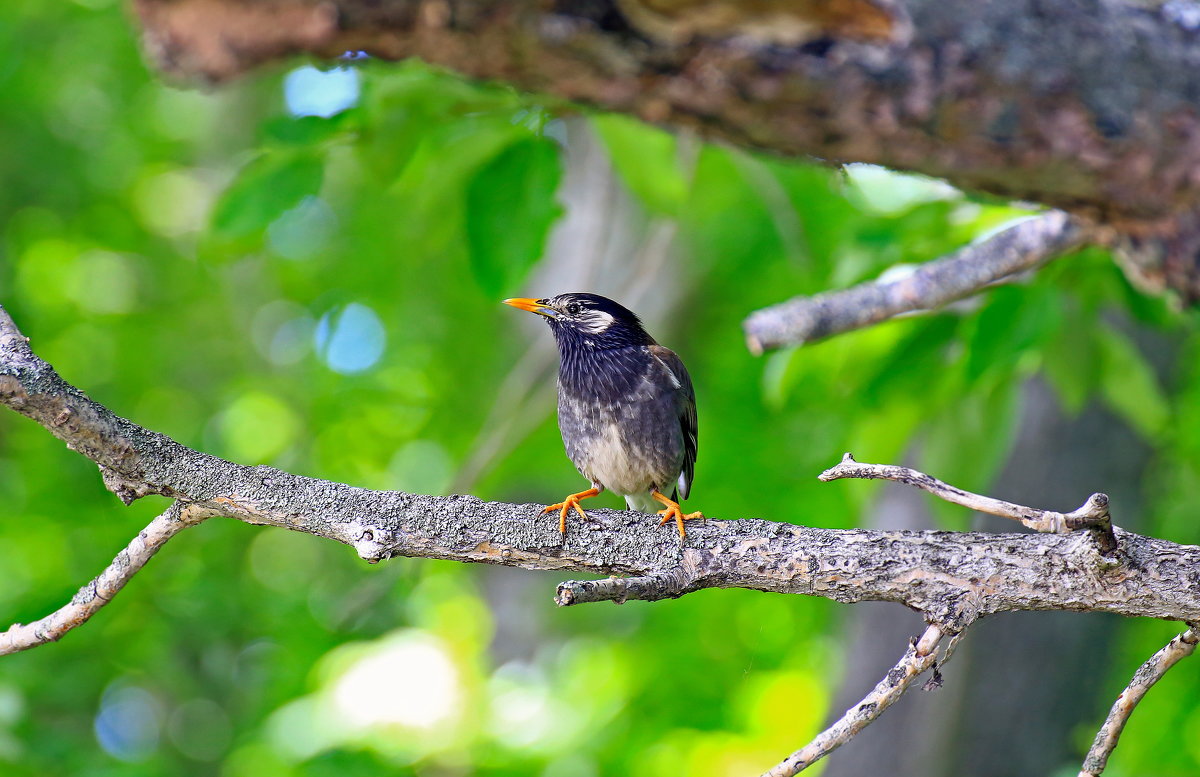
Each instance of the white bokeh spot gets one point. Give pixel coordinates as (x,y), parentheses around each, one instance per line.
(407,681)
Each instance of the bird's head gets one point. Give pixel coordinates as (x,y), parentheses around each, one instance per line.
(589,319)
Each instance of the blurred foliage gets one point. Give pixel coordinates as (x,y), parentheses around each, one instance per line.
(319,292)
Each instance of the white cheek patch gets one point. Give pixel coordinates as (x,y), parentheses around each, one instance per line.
(596,322)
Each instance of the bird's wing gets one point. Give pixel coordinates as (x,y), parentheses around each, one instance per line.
(687,413)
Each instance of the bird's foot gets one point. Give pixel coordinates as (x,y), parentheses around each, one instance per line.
(565,507)
(674,512)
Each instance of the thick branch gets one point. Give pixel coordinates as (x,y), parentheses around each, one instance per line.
(920,656)
(1087,107)
(1021,247)
(1092,514)
(951,577)
(104,587)
(1182,646)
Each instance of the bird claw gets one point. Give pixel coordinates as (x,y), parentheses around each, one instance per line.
(679,517)
(565,506)
(675,513)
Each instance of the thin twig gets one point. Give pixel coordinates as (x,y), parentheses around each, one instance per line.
(104,587)
(1182,646)
(1092,514)
(920,656)
(647,588)
(1020,247)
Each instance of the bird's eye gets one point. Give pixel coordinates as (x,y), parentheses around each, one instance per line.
(573,308)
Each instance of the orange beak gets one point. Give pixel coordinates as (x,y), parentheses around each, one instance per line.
(532,305)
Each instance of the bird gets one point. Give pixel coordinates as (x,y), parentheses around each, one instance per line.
(626,407)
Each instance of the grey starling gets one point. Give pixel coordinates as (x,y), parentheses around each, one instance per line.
(626,408)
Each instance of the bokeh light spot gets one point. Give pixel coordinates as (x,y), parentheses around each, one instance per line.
(312,92)
(521,714)
(256,427)
(128,723)
(171,202)
(282,331)
(350,341)
(407,680)
(103,282)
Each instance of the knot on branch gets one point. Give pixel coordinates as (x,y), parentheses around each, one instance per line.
(953,614)
(128,491)
(372,542)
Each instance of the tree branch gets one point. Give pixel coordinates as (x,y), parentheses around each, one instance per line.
(1092,514)
(920,656)
(648,588)
(1083,107)
(105,586)
(950,577)
(1021,247)
(1182,646)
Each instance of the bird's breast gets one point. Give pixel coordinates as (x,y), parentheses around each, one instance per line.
(620,425)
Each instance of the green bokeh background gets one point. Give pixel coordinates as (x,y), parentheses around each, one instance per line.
(320,295)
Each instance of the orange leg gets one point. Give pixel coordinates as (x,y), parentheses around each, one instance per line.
(673,511)
(566,505)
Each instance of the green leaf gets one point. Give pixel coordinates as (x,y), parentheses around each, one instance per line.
(1130,387)
(510,207)
(1014,320)
(905,371)
(411,106)
(263,190)
(646,159)
(1071,361)
(306,130)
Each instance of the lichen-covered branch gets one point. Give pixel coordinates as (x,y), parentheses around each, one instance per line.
(919,658)
(1021,247)
(1093,514)
(1182,646)
(101,590)
(951,577)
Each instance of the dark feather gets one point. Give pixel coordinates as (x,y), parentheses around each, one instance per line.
(688,422)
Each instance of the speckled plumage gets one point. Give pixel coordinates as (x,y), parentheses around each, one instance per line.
(626,406)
